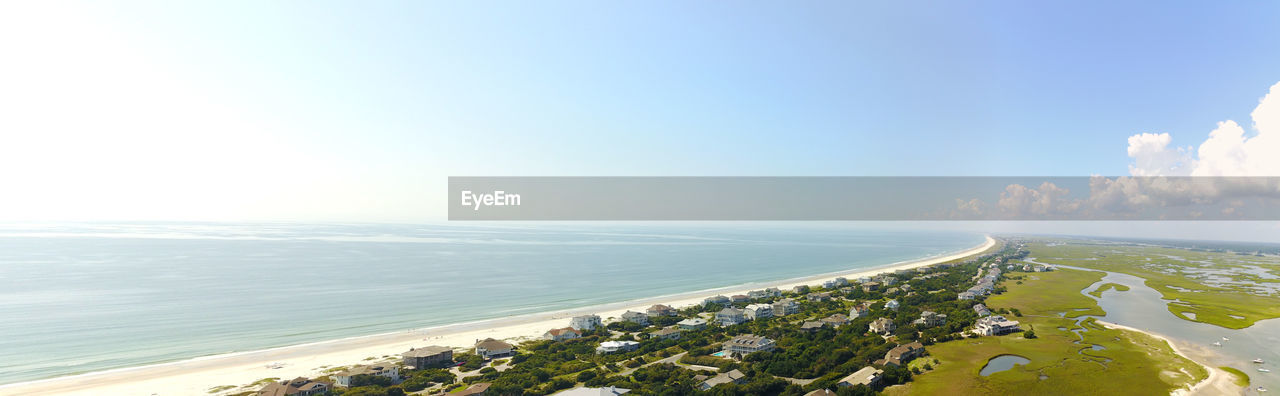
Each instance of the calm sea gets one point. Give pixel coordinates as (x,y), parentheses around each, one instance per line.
(82,298)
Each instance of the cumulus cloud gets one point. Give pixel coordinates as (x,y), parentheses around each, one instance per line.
(1047,200)
(1228,151)
(1152,156)
(1232,174)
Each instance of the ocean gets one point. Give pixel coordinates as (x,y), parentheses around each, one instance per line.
(77,298)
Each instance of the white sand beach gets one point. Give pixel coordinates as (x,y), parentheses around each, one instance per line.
(198,376)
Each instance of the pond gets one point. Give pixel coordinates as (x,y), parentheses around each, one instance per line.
(1002,363)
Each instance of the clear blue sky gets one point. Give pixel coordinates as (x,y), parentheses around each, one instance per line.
(376,103)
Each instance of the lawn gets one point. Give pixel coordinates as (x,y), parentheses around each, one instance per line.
(1131,363)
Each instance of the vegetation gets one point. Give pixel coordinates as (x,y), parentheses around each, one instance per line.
(1238,377)
(1050,305)
(1219,288)
(1108,286)
(1131,362)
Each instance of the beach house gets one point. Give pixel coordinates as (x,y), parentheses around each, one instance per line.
(661,310)
(870,286)
(860,310)
(730,317)
(732,377)
(891,305)
(567,333)
(812,326)
(635,317)
(747,344)
(585,322)
(868,376)
(739,298)
(757,294)
(785,306)
(802,289)
(981,310)
(692,324)
(882,326)
(431,356)
(995,325)
(930,319)
(902,354)
(617,346)
(300,386)
(773,292)
(824,296)
(722,300)
(836,320)
(669,333)
(758,311)
(343,378)
(490,348)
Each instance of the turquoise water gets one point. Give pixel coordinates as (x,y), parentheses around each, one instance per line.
(82,298)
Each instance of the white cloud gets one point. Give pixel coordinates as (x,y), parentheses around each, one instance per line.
(1048,200)
(1227,152)
(1152,156)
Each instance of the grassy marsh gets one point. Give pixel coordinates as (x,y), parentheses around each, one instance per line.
(1062,362)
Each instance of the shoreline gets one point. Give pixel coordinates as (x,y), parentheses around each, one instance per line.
(1218,381)
(198,375)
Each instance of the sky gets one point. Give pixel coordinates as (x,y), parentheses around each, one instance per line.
(358,112)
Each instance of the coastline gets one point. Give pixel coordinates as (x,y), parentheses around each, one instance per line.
(1218,382)
(199,375)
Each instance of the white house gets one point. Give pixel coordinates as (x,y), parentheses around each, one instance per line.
(891,305)
(617,346)
(882,326)
(995,325)
(758,311)
(343,378)
(730,317)
(585,322)
(692,324)
(635,317)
